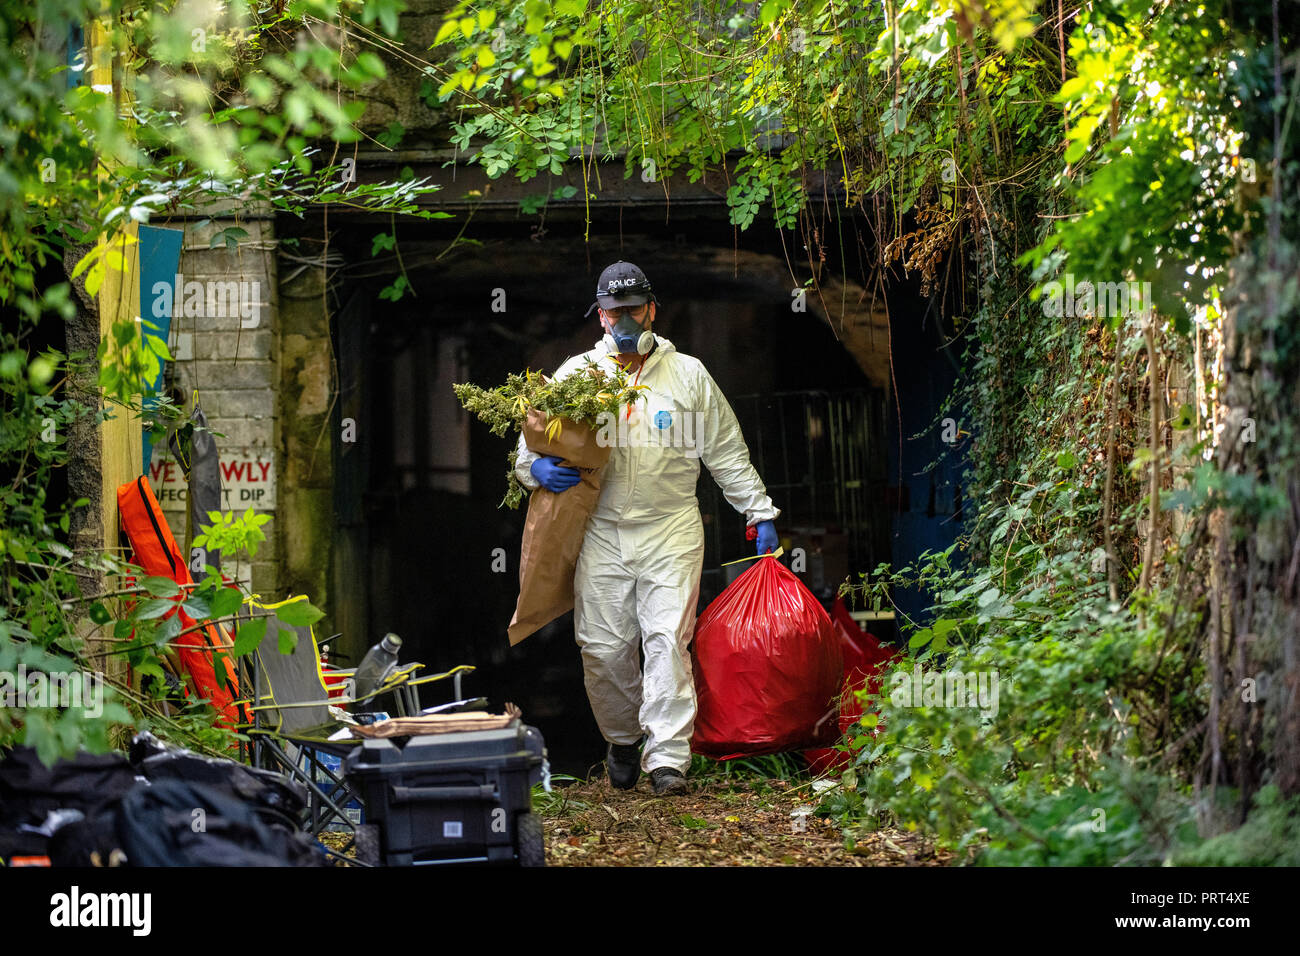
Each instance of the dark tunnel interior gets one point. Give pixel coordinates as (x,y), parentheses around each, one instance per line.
(433,558)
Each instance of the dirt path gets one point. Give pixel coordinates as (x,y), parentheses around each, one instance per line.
(719,823)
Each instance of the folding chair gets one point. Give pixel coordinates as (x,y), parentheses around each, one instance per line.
(290,708)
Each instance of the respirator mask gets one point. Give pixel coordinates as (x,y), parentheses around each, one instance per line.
(628,336)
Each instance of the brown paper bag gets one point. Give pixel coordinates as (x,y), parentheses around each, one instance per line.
(555,526)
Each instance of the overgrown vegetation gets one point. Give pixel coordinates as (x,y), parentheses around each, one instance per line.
(1101,196)
(163,110)
(1130,574)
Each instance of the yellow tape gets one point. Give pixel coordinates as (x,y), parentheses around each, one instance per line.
(775,554)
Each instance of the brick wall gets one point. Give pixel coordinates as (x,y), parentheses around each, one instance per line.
(231,358)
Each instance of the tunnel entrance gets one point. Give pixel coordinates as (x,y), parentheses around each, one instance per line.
(419,542)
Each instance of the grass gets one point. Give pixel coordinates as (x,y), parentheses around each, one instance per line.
(749,770)
(558,803)
(754,775)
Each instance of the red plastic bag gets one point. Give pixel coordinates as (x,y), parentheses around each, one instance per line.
(866,661)
(870,658)
(823,760)
(768,667)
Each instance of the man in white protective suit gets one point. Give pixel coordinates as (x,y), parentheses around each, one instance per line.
(638,575)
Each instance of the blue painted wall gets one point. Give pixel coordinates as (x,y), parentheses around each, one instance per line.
(924,514)
(160,260)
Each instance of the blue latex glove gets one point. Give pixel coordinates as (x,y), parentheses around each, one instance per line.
(767,540)
(552,476)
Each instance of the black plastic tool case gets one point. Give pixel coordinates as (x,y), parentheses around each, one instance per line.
(451,798)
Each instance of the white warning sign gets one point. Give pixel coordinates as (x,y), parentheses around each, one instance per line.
(245,483)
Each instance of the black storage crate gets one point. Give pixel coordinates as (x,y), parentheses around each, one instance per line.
(450,798)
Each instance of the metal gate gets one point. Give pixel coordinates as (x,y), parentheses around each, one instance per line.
(822,457)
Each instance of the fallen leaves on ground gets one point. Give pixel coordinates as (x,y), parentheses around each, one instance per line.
(728,823)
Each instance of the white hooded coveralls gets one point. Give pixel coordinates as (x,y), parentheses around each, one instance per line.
(638,574)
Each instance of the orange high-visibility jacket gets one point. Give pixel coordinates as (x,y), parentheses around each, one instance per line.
(156,552)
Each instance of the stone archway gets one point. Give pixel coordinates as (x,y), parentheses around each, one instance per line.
(857,319)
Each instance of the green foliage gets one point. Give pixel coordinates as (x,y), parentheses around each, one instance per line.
(557,803)
(1120,146)
(228,534)
(781,89)
(1078,760)
(955,127)
(537,84)
(1269,837)
(214,107)
(1080,685)
(1157,203)
(56,724)
(753,770)
(689,822)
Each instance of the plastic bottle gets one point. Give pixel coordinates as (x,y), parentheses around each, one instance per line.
(375,667)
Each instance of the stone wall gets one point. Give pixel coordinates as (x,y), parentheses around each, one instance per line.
(230,356)
(307,397)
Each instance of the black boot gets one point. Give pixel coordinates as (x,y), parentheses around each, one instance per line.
(667,781)
(623,762)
